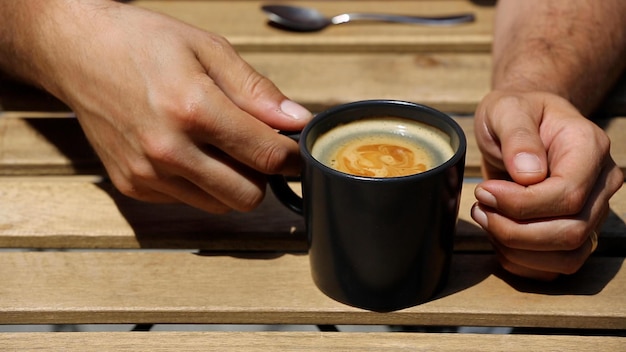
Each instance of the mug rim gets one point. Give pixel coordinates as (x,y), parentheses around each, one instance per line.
(458,155)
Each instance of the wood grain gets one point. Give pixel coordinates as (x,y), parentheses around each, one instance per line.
(110,259)
(451,82)
(87,212)
(446,81)
(56,146)
(448,68)
(245,26)
(45,145)
(80,213)
(302,341)
(272,288)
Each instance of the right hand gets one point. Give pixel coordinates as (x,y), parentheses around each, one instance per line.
(549,177)
(173,112)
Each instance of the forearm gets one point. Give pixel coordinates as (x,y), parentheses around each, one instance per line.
(37,37)
(573,48)
(17,35)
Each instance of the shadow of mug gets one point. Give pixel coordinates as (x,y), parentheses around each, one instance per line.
(379,243)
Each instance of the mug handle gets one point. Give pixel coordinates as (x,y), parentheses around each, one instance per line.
(281,189)
(284,193)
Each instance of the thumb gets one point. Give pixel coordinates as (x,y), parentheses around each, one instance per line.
(523,151)
(251,91)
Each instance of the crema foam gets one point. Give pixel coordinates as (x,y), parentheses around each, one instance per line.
(383,147)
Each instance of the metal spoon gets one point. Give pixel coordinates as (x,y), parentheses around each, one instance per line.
(307,19)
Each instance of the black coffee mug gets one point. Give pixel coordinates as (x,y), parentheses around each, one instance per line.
(380,244)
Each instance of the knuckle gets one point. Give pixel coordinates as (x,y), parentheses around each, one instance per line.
(574,237)
(219,41)
(571,264)
(187,114)
(270,157)
(573,201)
(158,151)
(129,185)
(222,51)
(520,135)
(256,85)
(507,102)
(506,237)
(130,189)
(140,173)
(250,198)
(184,109)
(518,209)
(522,208)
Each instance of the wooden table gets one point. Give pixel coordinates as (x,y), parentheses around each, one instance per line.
(79,252)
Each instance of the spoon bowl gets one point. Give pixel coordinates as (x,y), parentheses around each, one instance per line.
(304,19)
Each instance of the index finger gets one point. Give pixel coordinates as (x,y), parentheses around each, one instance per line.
(219,122)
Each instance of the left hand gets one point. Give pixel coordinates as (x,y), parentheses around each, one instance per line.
(173,112)
(548,176)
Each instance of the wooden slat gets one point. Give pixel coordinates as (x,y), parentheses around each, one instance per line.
(302,341)
(89,213)
(271,288)
(454,83)
(450,82)
(57,146)
(45,146)
(85,214)
(245,26)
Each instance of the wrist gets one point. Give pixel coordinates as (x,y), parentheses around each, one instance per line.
(516,74)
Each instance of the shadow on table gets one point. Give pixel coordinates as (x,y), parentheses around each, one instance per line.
(487,3)
(19,96)
(271,227)
(595,274)
(614,103)
(590,280)
(68,138)
(470,269)
(265,233)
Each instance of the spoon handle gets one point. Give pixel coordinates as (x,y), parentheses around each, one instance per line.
(426,20)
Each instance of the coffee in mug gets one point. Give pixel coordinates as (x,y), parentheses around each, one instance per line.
(381,188)
(383,147)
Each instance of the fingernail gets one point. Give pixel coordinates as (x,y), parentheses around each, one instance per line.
(295,110)
(485,197)
(479,216)
(527,163)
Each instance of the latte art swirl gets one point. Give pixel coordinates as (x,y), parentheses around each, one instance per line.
(382,147)
(378,160)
